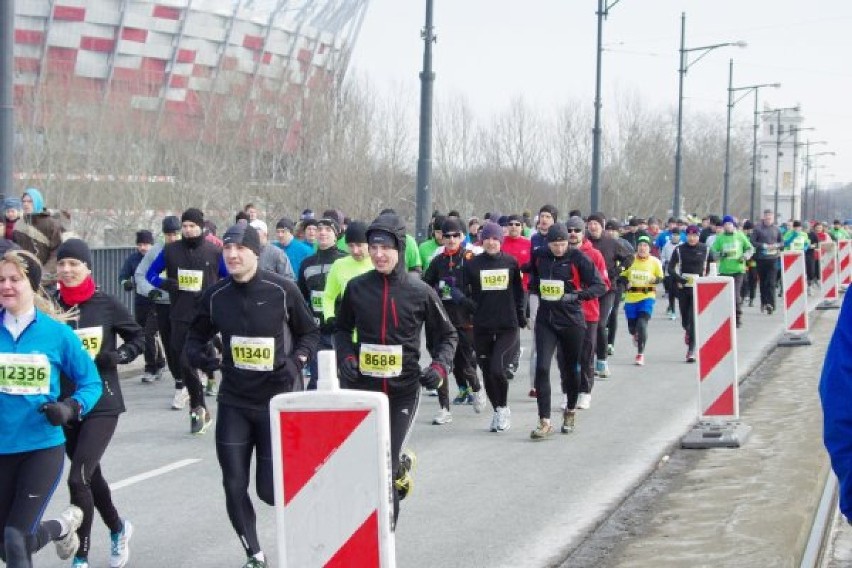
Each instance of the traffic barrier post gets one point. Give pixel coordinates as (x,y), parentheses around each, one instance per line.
(794,282)
(844,262)
(333,484)
(714,312)
(828,276)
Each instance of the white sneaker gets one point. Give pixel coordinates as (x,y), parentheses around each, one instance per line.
(181,399)
(479,400)
(504,421)
(67,545)
(584,401)
(564,404)
(442,417)
(119,548)
(495,421)
(603,369)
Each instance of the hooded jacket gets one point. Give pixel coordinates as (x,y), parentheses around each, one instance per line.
(44,235)
(446,271)
(389,310)
(592,307)
(312,277)
(578,275)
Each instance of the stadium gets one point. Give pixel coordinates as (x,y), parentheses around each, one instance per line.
(173,67)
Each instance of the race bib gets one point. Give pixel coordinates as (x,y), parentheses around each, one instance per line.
(253,353)
(24,374)
(494,279)
(190,280)
(731,250)
(92,338)
(444,290)
(690,279)
(640,278)
(316,301)
(383,361)
(551,290)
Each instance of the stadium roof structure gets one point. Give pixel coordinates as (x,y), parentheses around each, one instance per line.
(180,65)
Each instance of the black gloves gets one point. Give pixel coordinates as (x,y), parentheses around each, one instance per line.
(127,284)
(522,320)
(457,295)
(121,356)
(569,298)
(155,294)
(170,285)
(348,369)
(682,280)
(433,376)
(61,413)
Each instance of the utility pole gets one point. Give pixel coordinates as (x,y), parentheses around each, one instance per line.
(604,7)
(7,101)
(424,160)
(725,191)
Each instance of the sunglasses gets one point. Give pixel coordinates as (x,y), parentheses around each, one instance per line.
(514,224)
(575,230)
(452,235)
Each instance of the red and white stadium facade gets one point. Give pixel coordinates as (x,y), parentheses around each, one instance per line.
(178,65)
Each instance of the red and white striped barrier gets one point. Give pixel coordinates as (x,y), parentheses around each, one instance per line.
(844,261)
(718,391)
(794,282)
(333,485)
(828,276)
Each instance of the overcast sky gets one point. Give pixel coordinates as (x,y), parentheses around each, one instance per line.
(493,51)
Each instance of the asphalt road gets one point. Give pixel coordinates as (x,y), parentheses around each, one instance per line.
(480,498)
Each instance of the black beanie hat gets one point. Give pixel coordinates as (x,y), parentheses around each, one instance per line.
(596,217)
(32,268)
(557,232)
(144,237)
(75,248)
(452,225)
(554,212)
(244,235)
(193,215)
(171,224)
(356,232)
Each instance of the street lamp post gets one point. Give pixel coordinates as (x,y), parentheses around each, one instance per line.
(778,112)
(805,204)
(815,168)
(731,103)
(796,131)
(682,69)
(424,161)
(604,6)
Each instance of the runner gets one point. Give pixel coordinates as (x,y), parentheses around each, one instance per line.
(345,269)
(751,277)
(312,280)
(272,258)
(668,282)
(388,307)
(563,278)
(617,255)
(689,260)
(494,285)
(429,246)
(191,265)
(733,249)
(101,318)
(547,216)
(766,239)
(296,250)
(36,345)
(144,310)
(268,334)
(641,278)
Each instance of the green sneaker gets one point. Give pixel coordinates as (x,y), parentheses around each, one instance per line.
(463,396)
(404,482)
(253,562)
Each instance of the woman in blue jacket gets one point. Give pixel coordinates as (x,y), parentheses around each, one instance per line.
(35,348)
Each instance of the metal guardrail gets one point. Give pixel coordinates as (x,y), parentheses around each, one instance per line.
(107,264)
(824,518)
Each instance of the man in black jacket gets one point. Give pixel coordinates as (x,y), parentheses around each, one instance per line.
(389,307)
(268,335)
(192,265)
(689,261)
(767,242)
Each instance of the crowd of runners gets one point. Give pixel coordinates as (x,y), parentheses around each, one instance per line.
(256,304)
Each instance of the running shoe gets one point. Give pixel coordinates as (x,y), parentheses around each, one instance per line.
(253,562)
(603,369)
(404,483)
(212,388)
(610,349)
(564,404)
(690,356)
(148,378)
(120,546)
(461,398)
(567,422)
(181,399)
(751,302)
(432,392)
(543,430)
(672,315)
(504,419)
(584,401)
(80,563)
(479,400)
(533,393)
(640,360)
(199,420)
(495,420)
(67,545)
(443,416)
(769,309)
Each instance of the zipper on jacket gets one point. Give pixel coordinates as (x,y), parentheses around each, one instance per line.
(384,308)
